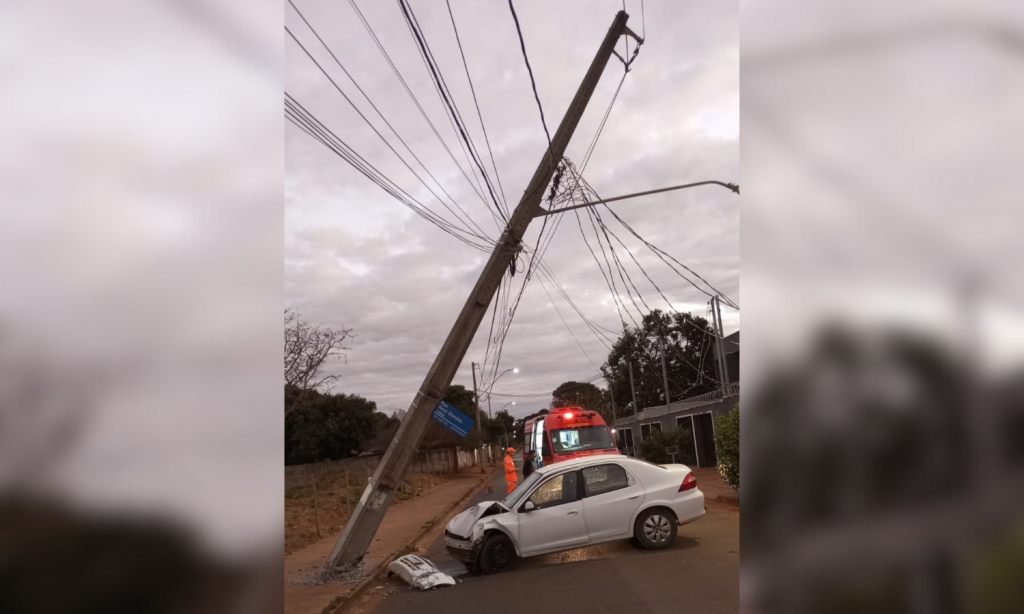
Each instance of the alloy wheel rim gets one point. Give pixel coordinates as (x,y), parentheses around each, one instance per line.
(500,556)
(657,529)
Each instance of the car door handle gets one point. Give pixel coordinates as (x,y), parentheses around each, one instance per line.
(572,512)
(633,496)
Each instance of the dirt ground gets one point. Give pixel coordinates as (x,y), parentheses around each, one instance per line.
(321,508)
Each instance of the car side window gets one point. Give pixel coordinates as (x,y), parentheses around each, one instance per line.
(604,478)
(556,491)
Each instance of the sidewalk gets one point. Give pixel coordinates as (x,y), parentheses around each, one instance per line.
(710,482)
(402,525)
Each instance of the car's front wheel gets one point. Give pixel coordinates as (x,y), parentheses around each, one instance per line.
(498,554)
(655,529)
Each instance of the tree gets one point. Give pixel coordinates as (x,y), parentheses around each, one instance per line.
(461,399)
(727,446)
(307,349)
(385,427)
(520,424)
(689,354)
(329,427)
(654,445)
(585,395)
(502,424)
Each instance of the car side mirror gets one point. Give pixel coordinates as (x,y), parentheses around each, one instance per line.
(529,506)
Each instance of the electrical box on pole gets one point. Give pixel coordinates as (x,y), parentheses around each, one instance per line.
(367,516)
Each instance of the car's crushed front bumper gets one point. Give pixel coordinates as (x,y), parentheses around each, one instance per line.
(461,548)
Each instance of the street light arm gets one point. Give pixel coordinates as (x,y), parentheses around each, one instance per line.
(731,186)
(488,389)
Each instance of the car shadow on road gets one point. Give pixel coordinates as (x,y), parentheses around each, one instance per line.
(680,543)
(605,550)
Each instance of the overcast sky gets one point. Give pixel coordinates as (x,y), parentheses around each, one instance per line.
(356,257)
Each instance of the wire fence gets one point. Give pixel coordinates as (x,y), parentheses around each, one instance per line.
(320,497)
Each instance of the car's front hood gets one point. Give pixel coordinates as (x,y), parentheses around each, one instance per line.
(462,525)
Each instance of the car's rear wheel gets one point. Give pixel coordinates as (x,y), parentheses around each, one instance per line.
(498,554)
(655,529)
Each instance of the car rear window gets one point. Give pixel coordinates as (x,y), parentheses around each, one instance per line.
(604,478)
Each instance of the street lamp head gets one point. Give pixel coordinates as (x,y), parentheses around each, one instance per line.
(516,370)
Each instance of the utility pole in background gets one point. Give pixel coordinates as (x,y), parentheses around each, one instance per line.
(367,516)
(632,387)
(476,400)
(716,317)
(664,368)
(721,340)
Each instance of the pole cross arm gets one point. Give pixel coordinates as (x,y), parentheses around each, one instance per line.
(730,186)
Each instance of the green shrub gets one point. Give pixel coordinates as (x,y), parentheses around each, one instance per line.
(652,448)
(727,446)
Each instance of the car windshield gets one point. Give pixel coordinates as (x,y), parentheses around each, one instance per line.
(513,498)
(581,438)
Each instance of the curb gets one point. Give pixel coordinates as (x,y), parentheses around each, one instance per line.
(730,499)
(374,575)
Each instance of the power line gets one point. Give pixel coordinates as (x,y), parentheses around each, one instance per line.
(662,254)
(388,124)
(643,20)
(618,263)
(479,115)
(302,118)
(589,192)
(476,188)
(347,99)
(446,96)
(620,268)
(522,45)
(538,395)
(567,327)
(642,270)
(317,131)
(599,331)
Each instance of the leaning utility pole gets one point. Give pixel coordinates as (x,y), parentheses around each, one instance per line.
(476,400)
(367,516)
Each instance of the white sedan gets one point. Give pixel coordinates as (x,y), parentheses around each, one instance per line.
(577,503)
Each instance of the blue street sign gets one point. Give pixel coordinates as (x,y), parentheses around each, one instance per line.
(452,419)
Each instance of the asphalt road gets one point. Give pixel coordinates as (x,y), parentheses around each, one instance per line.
(698,573)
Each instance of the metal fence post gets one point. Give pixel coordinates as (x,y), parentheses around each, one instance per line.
(316,505)
(348,495)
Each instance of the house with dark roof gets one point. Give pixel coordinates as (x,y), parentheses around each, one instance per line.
(695,413)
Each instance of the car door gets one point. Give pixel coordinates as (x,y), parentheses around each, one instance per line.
(556,522)
(611,496)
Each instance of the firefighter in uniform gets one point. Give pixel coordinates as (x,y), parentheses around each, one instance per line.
(510,470)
